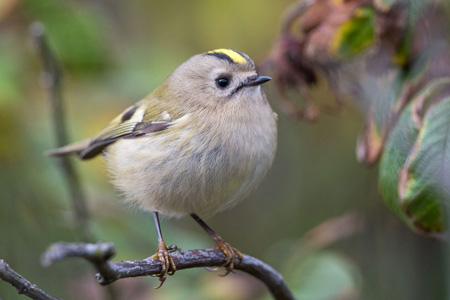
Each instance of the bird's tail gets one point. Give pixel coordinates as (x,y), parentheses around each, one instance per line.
(72,149)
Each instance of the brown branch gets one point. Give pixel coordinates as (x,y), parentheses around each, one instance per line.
(100,253)
(52,77)
(22,285)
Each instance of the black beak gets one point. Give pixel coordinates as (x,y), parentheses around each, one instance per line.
(257,80)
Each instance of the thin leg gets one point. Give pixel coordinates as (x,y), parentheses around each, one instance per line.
(167,264)
(220,244)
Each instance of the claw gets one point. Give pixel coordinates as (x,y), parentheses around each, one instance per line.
(230,253)
(167,265)
(220,244)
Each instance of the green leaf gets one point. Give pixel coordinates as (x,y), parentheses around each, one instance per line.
(325,276)
(354,35)
(425,178)
(381,95)
(397,149)
(417,150)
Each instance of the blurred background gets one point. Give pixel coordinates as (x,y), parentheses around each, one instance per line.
(317,218)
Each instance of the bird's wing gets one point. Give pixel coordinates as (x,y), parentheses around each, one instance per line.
(144,117)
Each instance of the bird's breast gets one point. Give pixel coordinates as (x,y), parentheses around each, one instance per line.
(197,167)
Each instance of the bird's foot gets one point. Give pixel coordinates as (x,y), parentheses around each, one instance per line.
(230,253)
(167,265)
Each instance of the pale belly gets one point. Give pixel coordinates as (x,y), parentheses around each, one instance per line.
(188,178)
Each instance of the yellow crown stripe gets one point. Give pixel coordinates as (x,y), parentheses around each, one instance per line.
(236,57)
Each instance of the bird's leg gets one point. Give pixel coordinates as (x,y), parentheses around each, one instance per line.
(220,244)
(167,264)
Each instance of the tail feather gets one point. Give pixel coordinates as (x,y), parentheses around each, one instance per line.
(72,149)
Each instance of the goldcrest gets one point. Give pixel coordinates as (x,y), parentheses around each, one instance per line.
(197,145)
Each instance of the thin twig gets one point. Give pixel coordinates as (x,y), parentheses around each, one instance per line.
(52,76)
(100,253)
(22,285)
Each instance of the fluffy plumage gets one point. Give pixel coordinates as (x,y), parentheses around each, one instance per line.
(191,145)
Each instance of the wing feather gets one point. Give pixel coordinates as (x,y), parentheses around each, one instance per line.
(147,116)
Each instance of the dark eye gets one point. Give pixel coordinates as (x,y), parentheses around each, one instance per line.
(223,82)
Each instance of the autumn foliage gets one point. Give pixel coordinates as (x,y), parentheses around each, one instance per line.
(392,57)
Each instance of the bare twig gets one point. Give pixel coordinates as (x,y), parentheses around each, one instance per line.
(52,78)
(22,285)
(100,253)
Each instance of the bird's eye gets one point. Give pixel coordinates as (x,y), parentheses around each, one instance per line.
(223,82)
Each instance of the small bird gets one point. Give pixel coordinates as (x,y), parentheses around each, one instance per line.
(197,145)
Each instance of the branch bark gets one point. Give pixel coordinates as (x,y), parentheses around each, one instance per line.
(100,254)
(22,285)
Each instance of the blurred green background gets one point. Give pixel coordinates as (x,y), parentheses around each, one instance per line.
(116,52)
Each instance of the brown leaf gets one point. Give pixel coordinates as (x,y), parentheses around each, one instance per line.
(319,36)
(403,182)
(370,142)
